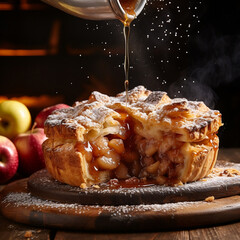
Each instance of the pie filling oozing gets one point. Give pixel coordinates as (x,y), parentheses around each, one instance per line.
(152,138)
(128,154)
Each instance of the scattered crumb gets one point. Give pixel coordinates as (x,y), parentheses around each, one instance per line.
(210,199)
(96,186)
(83,185)
(28,234)
(180,183)
(203,180)
(231,172)
(223,172)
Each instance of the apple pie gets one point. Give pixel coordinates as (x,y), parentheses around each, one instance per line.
(150,137)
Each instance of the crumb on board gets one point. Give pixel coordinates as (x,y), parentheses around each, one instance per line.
(231,172)
(210,199)
(180,183)
(83,185)
(96,186)
(28,234)
(221,172)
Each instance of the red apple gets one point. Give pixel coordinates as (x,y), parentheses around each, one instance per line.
(42,116)
(8,159)
(29,147)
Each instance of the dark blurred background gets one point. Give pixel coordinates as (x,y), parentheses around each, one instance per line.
(188,48)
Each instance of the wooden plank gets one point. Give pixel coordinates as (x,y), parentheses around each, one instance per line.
(21,207)
(230,231)
(176,235)
(13,231)
(104,236)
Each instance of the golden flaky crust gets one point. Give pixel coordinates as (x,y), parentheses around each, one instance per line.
(177,125)
(69,166)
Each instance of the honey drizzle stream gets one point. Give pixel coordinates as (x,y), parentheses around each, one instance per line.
(126,31)
(129,8)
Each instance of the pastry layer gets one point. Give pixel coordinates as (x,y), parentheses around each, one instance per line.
(150,137)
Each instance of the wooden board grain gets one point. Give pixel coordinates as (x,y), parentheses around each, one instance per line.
(173,235)
(42,185)
(13,231)
(229,231)
(18,204)
(103,236)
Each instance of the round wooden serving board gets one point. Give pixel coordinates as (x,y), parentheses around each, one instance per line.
(18,203)
(42,185)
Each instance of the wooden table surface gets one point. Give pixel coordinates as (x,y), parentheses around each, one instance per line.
(11,230)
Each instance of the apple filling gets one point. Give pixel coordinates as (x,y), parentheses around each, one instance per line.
(151,139)
(128,154)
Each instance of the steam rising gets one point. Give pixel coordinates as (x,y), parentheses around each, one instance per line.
(220,66)
(162,49)
(168,51)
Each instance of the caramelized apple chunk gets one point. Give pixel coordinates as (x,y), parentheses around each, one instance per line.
(107,163)
(117,145)
(122,172)
(85,149)
(100,146)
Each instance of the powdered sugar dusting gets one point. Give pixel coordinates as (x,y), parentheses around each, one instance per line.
(144,105)
(219,183)
(26,200)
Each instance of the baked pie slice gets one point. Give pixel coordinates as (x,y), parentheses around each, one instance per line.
(151,137)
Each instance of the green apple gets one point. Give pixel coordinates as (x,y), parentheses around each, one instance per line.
(15,118)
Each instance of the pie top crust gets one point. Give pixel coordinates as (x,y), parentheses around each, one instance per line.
(152,112)
(175,131)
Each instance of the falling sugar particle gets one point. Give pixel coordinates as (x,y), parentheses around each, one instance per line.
(165,32)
